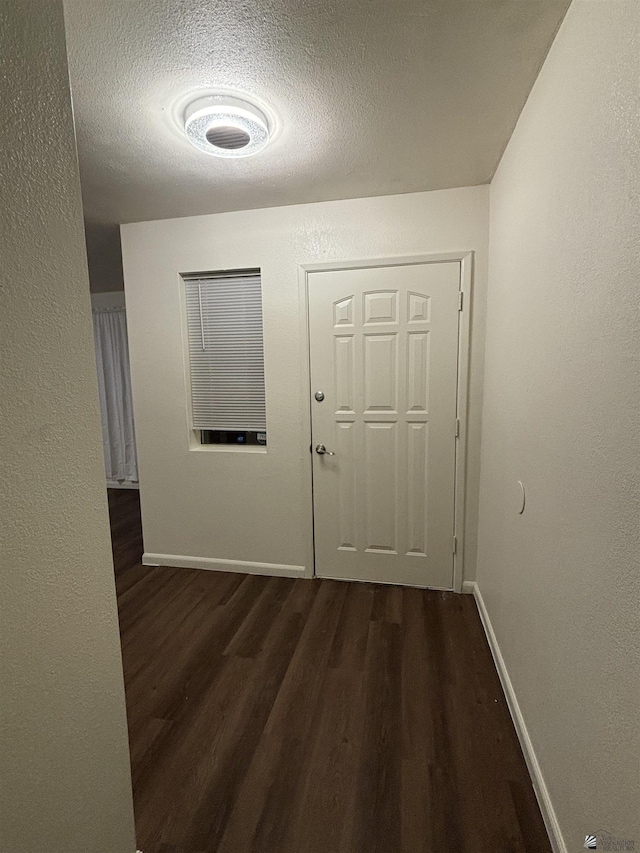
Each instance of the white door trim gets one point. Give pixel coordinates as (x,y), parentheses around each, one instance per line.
(464,329)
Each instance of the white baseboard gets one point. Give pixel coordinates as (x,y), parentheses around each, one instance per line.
(122,484)
(468,587)
(539,785)
(215,565)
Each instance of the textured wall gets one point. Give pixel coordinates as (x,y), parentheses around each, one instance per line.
(254,506)
(64,761)
(562,413)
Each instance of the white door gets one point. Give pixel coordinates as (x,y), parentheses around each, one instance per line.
(384,358)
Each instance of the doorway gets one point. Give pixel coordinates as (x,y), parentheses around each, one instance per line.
(385,368)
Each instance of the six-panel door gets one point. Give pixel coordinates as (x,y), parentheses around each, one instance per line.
(384,349)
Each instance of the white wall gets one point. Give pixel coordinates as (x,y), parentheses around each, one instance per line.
(104,256)
(562,413)
(255,507)
(66,784)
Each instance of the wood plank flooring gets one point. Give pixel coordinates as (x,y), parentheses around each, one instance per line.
(269,715)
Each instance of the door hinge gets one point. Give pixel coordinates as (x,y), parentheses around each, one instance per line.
(455,544)
(460,300)
(457,427)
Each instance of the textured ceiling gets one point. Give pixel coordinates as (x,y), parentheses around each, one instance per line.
(370,96)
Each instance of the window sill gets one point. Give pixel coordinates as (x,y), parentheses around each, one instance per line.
(227,448)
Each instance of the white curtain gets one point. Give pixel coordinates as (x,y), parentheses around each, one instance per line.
(114,387)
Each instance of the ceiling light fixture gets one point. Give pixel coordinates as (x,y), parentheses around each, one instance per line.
(226,126)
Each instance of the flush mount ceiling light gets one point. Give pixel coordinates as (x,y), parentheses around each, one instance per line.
(226,126)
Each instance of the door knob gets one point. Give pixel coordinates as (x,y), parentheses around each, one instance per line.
(321,450)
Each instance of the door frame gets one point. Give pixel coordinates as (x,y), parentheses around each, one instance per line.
(465,259)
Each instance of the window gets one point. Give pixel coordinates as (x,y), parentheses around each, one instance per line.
(224,321)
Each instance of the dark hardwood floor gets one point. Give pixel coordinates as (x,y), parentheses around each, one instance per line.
(269,715)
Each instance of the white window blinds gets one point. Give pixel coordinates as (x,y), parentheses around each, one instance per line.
(224,315)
